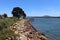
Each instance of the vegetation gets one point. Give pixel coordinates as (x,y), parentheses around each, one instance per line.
(4,24)
(6,21)
(18,12)
(5,15)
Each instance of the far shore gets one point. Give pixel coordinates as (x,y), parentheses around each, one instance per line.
(43,17)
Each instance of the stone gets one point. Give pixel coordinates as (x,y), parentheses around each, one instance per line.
(26,31)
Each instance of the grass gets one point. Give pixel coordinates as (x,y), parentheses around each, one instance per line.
(4,24)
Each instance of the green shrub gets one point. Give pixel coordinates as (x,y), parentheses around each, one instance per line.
(4,24)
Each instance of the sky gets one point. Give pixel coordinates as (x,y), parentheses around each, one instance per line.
(31,7)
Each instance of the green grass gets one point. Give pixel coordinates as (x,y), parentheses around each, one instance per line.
(4,24)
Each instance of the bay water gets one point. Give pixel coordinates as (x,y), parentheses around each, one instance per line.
(49,26)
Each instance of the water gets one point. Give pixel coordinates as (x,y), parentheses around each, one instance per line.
(49,26)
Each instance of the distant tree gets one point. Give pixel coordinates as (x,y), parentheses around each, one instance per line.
(4,15)
(0,16)
(18,12)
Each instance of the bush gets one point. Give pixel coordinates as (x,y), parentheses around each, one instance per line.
(4,24)
(5,15)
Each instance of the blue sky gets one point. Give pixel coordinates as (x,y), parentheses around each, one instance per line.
(32,7)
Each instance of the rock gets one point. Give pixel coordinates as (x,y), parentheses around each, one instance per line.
(23,37)
(26,31)
(16,32)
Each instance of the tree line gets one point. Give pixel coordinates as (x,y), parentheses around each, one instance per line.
(16,12)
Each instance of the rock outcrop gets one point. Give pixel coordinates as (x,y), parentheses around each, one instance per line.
(26,31)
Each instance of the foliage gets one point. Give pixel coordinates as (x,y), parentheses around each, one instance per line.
(4,15)
(4,24)
(18,12)
(6,33)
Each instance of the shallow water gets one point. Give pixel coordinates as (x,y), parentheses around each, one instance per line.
(49,26)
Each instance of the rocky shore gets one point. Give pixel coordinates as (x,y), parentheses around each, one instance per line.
(26,31)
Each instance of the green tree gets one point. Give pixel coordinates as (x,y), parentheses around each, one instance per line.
(18,12)
(5,15)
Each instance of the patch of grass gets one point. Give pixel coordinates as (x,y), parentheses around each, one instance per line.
(4,24)
(6,33)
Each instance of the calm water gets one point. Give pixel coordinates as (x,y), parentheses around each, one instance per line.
(49,26)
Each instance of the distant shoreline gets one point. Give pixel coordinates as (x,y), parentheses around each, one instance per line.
(43,17)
